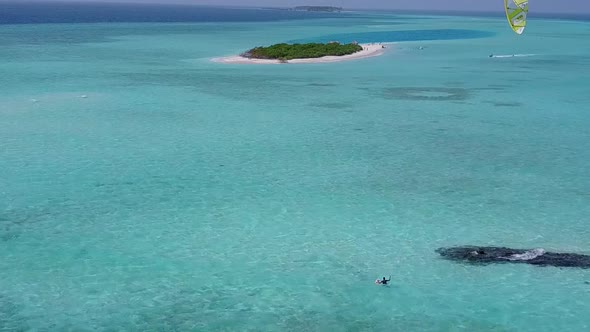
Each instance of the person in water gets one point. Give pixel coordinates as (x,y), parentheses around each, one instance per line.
(383,281)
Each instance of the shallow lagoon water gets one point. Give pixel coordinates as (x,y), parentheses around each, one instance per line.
(183,194)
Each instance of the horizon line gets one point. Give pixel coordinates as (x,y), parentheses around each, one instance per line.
(182,3)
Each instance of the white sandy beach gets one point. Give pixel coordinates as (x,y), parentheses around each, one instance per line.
(369,50)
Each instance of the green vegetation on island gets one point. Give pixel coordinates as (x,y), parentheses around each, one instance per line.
(286,52)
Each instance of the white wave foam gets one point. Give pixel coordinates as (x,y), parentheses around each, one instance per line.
(527,255)
(511,55)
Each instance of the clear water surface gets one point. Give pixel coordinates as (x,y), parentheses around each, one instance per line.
(144,187)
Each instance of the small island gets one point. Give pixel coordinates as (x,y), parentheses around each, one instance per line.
(284,52)
(329,9)
(305,53)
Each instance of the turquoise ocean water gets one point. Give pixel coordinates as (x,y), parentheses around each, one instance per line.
(183,194)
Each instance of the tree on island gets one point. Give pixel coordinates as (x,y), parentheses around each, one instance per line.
(286,52)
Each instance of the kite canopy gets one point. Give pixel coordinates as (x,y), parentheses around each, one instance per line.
(516,11)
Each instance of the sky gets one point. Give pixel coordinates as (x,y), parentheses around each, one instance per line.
(562,6)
